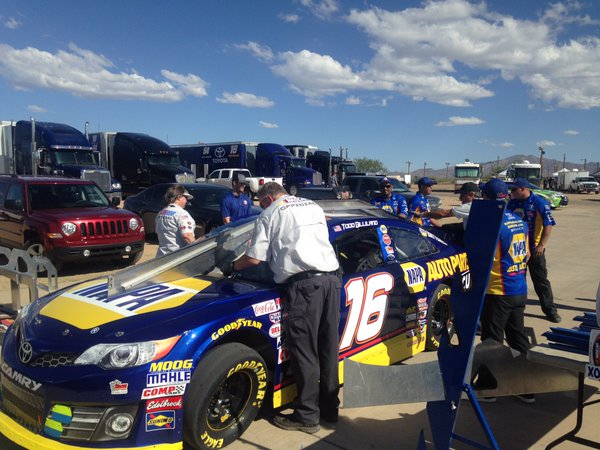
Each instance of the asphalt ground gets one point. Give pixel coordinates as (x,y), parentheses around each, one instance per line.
(573,253)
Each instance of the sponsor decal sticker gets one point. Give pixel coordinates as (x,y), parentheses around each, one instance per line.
(165,420)
(267,307)
(239,323)
(164,403)
(414,276)
(447,267)
(386,239)
(383,229)
(275,330)
(163,391)
(19,378)
(359,224)
(117,387)
(275,317)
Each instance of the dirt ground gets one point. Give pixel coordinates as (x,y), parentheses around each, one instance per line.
(574,270)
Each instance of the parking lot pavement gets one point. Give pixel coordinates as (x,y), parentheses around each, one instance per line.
(572,255)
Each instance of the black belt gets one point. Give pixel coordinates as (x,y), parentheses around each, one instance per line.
(308,274)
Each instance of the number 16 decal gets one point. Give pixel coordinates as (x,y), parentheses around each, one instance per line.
(367,300)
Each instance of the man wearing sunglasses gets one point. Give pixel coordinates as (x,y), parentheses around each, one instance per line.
(291,234)
(390,201)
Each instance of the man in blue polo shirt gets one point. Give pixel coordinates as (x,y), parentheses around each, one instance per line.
(419,205)
(236,204)
(535,211)
(390,201)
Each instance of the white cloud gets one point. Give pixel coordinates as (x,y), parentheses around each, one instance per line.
(458,121)
(262,52)
(571,132)
(353,100)
(545,144)
(36,109)
(12,23)
(420,53)
(268,124)
(290,18)
(245,99)
(506,145)
(323,9)
(86,74)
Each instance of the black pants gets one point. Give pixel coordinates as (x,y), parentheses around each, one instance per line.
(505,314)
(311,316)
(539,276)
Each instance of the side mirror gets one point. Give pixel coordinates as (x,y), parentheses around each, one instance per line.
(14,204)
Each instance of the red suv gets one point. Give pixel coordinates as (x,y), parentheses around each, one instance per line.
(66,219)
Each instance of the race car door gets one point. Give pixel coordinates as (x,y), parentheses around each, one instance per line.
(378,310)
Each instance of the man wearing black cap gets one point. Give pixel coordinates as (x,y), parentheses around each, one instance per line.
(174,226)
(236,204)
(390,201)
(535,211)
(466,194)
(419,205)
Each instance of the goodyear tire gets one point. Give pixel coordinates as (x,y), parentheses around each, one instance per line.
(224,396)
(439,316)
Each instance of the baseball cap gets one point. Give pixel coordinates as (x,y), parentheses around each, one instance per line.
(187,195)
(469,186)
(425,181)
(495,189)
(384,180)
(239,177)
(521,183)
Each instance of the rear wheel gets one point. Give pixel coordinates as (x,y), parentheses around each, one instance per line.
(225,395)
(439,317)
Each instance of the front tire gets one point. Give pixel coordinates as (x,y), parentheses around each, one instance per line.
(34,247)
(225,395)
(439,316)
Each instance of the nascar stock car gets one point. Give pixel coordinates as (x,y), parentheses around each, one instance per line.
(170,351)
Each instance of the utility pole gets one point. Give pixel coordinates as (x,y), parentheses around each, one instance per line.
(424,168)
(584,163)
(542,152)
(447,164)
(564,159)
(408,164)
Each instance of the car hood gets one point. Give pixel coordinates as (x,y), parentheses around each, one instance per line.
(82,214)
(84,314)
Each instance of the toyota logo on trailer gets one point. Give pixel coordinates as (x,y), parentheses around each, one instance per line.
(219,152)
(25,352)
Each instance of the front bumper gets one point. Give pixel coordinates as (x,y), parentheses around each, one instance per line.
(77,253)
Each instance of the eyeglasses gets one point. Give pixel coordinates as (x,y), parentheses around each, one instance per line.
(387,186)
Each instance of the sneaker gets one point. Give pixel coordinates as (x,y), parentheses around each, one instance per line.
(554,318)
(527,398)
(288,423)
(486,399)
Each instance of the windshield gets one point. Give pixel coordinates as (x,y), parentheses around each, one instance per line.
(76,157)
(207,197)
(398,186)
(347,168)
(527,172)
(62,196)
(587,179)
(297,162)
(163,160)
(466,172)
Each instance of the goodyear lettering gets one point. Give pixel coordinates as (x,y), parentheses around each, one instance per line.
(447,267)
(240,323)
(210,441)
(20,378)
(171,365)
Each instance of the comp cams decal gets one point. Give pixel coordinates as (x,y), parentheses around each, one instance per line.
(88,305)
(163,391)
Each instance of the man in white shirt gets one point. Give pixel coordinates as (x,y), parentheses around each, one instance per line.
(291,234)
(174,226)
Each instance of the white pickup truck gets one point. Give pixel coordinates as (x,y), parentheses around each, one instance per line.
(584,184)
(223,177)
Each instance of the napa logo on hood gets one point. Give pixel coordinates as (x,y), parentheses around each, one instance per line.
(88,305)
(415,277)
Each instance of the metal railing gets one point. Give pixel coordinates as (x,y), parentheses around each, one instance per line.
(22,269)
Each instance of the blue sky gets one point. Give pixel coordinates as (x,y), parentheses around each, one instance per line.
(427,82)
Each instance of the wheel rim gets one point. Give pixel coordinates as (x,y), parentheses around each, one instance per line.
(442,317)
(35,250)
(229,401)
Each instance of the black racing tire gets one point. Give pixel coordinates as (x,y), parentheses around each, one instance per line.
(439,316)
(224,396)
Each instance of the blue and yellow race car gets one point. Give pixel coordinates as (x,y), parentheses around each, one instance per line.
(170,351)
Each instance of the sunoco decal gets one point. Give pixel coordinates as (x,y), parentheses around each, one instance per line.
(164,420)
(87,305)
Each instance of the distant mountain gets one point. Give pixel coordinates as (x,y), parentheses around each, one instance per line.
(549,166)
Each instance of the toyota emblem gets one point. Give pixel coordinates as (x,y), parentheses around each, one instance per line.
(25,352)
